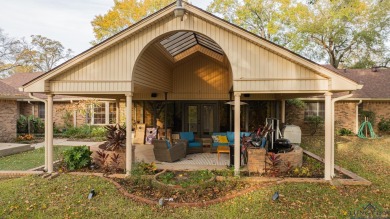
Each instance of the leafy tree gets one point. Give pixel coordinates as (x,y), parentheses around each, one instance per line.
(266,18)
(353,31)
(42,54)
(122,15)
(8,48)
(342,30)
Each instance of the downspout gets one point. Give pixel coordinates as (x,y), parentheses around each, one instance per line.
(357,117)
(332,140)
(46,129)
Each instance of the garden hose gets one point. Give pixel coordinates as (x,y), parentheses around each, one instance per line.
(361,133)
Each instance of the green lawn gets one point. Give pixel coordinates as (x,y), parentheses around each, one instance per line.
(27,160)
(66,196)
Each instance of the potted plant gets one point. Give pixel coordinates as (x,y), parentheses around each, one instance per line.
(111,155)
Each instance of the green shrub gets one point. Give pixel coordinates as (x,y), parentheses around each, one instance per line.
(22,124)
(384,125)
(142,168)
(85,131)
(314,123)
(36,124)
(98,131)
(369,114)
(344,131)
(77,157)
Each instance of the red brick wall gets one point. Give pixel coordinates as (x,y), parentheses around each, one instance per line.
(380,108)
(8,118)
(345,115)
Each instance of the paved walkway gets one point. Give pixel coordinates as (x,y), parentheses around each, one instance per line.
(65,142)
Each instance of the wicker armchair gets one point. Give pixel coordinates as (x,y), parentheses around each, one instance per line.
(165,152)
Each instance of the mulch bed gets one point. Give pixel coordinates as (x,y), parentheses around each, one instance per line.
(147,188)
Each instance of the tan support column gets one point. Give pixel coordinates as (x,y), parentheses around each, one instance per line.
(46,134)
(118,112)
(129,159)
(328,136)
(50,133)
(237,148)
(283,111)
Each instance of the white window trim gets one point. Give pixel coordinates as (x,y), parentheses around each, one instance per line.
(317,110)
(106,111)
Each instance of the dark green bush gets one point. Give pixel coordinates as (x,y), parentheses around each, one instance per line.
(36,124)
(384,125)
(77,157)
(369,114)
(314,123)
(344,131)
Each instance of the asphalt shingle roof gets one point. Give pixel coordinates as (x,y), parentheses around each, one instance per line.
(376,83)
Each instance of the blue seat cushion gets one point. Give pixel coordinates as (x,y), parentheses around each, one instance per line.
(194,144)
(230,136)
(189,136)
(168,144)
(216,144)
(245,133)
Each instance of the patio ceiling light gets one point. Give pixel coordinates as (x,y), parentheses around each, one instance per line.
(179,10)
(232,103)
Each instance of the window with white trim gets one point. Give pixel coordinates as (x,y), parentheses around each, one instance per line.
(103,113)
(315,109)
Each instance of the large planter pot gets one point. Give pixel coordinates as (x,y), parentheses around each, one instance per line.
(294,158)
(121,152)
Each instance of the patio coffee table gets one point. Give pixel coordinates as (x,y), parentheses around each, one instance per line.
(223,149)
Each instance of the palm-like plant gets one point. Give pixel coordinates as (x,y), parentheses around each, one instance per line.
(115,137)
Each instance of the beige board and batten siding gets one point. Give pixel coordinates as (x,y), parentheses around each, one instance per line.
(254,68)
(199,77)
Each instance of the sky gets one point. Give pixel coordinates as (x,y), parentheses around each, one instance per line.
(67,21)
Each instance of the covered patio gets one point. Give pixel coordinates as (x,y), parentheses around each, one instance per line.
(196,59)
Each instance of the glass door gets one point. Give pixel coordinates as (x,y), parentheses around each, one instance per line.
(200,118)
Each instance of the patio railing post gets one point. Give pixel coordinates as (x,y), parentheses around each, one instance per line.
(237,149)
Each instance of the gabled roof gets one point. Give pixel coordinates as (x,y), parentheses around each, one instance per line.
(339,81)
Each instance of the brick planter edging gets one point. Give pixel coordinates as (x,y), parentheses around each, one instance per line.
(185,204)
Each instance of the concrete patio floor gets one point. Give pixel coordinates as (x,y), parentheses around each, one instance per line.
(201,161)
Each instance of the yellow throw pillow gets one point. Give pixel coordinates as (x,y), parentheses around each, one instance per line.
(223,139)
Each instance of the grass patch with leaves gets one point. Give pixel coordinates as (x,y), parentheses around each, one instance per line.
(28,160)
(34,197)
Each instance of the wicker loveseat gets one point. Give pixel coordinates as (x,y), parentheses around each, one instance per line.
(165,152)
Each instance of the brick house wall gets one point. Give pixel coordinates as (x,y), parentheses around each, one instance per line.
(8,117)
(380,108)
(345,117)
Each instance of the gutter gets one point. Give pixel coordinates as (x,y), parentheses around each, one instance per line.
(46,129)
(332,140)
(357,116)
